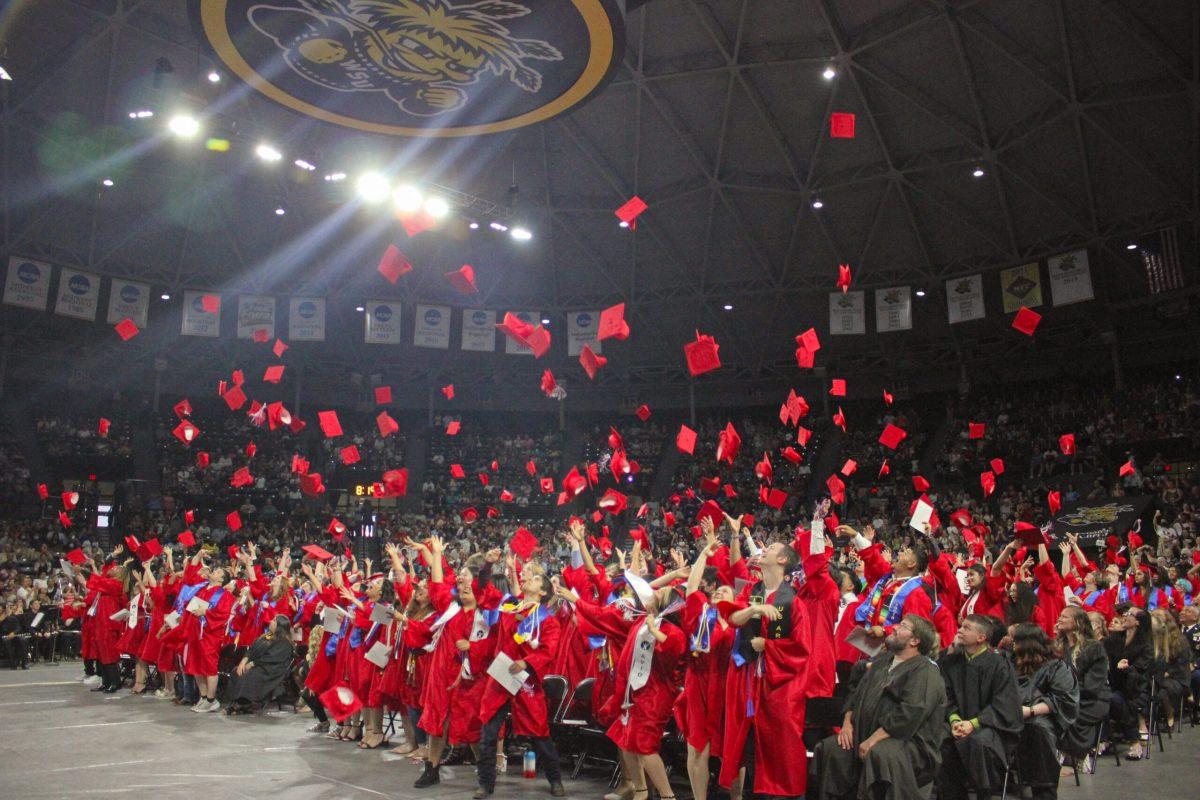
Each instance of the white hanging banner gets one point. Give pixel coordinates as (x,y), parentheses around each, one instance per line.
(197,321)
(893,309)
(847,313)
(255,313)
(306,319)
(382,322)
(432,327)
(479,331)
(128,300)
(27,284)
(511,345)
(1070,278)
(78,294)
(582,327)
(964,298)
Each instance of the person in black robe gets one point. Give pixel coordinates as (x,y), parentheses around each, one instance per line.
(890,742)
(1078,645)
(983,709)
(1171,666)
(1049,705)
(264,667)
(1130,662)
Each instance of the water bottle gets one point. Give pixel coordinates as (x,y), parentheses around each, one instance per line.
(530,764)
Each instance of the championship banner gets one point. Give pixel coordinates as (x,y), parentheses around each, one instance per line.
(893,309)
(432,327)
(27,284)
(306,319)
(1094,521)
(964,299)
(128,300)
(382,323)
(1021,286)
(479,331)
(514,348)
(197,321)
(582,328)
(847,313)
(255,313)
(1070,278)
(78,294)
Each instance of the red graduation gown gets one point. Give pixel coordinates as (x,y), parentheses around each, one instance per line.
(529,713)
(700,709)
(639,728)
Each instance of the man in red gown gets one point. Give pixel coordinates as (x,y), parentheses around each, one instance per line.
(204,632)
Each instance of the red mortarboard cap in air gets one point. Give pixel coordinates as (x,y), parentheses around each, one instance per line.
(961,518)
(202,460)
(183,408)
(619,464)
(330,425)
(547,485)
(350,455)
(468,515)
(448,391)
(805,358)
(612,323)
(841,125)
(337,528)
(186,432)
(843,281)
(710,510)
(299,464)
(892,436)
(189,516)
(234,520)
(574,483)
(887,397)
(531,467)
(238,377)
(629,212)
(495,466)
(150,549)
(849,467)
(483,478)
(43,491)
(988,481)
(884,469)
(839,419)
(763,469)
(311,484)
(387,425)
(1026,321)
(70,500)
(187,539)
(463,279)
(837,489)
(548,384)
(317,552)
(279,348)
(453,427)
(593,474)
(613,502)
(702,355)
(730,492)
(456,471)
(415,222)
(591,362)
(803,434)
(278,415)
(273,373)
(728,444)
(506,496)
(668,520)
(234,397)
(976,430)
(232,551)
(809,340)
(76,556)
(515,328)
(102,426)
(792,455)
(1126,469)
(838,387)
(1066,443)
(539,342)
(1028,534)
(920,484)
(710,485)
(259,335)
(64,519)
(997,465)
(685,440)
(210,303)
(492,513)
(126,329)
(383,395)
(523,543)
(241,477)
(393,264)
(395,481)
(1054,501)
(776,498)
(643,412)
(340,701)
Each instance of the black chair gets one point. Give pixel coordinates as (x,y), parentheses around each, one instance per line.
(555,689)
(591,740)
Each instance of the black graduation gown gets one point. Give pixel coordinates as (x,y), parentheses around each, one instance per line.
(983,688)
(1055,685)
(272,659)
(1091,671)
(909,703)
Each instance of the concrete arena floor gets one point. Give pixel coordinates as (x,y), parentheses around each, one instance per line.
(58,740)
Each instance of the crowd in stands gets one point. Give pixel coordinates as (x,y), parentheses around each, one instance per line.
(75,439)
(14,473)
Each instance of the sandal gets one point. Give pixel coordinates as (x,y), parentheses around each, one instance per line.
(356,732)
(320,727)
(401,751)
(336,732)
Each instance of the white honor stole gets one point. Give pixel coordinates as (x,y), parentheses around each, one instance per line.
(639,667)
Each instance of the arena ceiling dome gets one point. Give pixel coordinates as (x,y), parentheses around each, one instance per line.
(989,134)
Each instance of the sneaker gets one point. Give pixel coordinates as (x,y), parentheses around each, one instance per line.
(557,790)
(161,694)
(214,706)
(201,706)
(480,793)
(92,680)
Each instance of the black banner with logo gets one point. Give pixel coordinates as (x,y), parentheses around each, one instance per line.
(1094,520)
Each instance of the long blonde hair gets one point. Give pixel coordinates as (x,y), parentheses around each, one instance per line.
(1165,635)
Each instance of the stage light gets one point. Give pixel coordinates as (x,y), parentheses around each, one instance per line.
(521,234)
(545,322)
(107,181)
(214,77)
(184,126)
(359,309)
(1131,246)
(623,224)
(4,76)
(407,198)
(437,207)
(817,204)
(373,187)
(304,165)
(496,226)
(920,292)
(217,145)
(473,225)
(727,307)
(164,296)
(279,212)
(142,113)
(334,177)
(830,73)
(1178,377)
(267,153)
(978,172)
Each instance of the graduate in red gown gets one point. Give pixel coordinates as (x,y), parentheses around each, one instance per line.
(106,596)
(155,650)
(204,632)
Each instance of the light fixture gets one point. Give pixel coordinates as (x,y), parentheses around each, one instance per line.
(184,125)
(359,309)
(267,153)
(727,307)
(437,207)
(4,76)
(164,296)
(107,181)
(373,187)
(920,292)
(217,144)
(816,203)
(978,172)
(334,177)
(521,234)
(141,113)
(1178,377)
(304,165)
(545,322)
(623,224)
(497,226)
(830,73)
(214,77)
(279,212)
(407,198)
(1131,246)
(473,225)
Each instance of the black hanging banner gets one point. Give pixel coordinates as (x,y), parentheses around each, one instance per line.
(1094,520)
